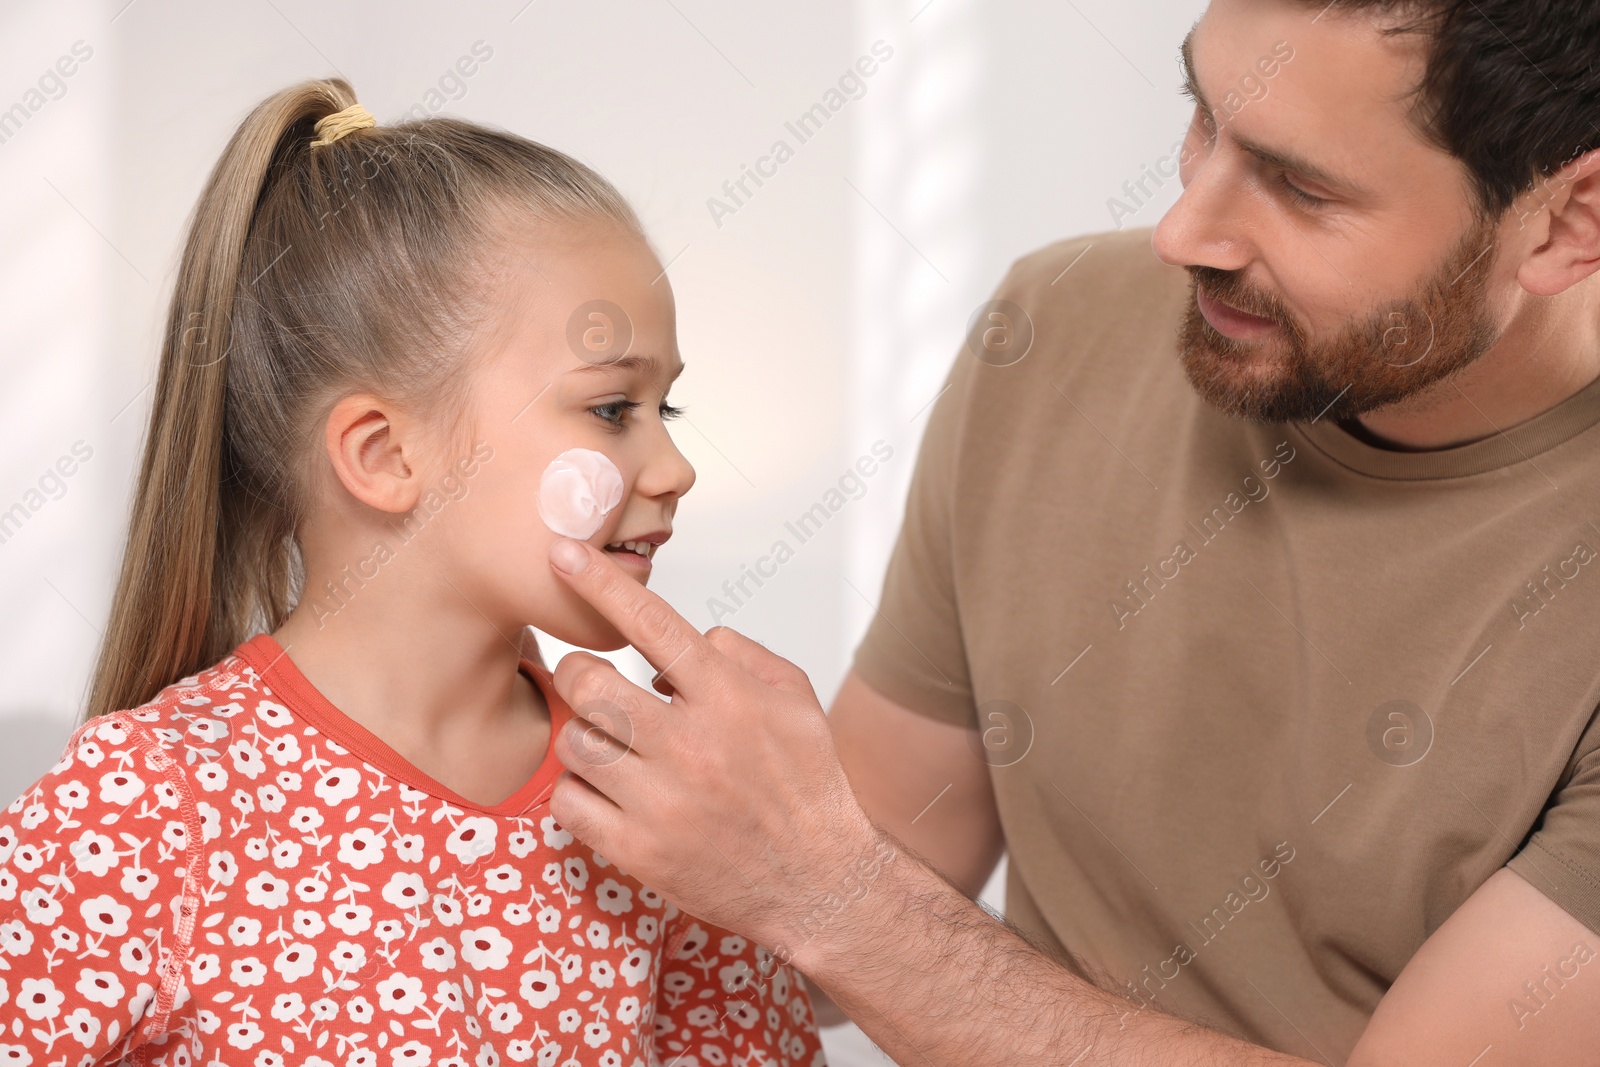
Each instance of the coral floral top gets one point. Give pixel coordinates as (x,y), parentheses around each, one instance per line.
(238,873)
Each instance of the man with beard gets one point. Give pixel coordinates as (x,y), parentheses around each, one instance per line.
(1270,656)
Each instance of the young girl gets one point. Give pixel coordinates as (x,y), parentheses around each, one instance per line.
(307,821)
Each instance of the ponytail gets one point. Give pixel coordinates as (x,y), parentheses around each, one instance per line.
(183,593)
(302,275)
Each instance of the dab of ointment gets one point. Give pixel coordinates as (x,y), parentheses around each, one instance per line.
(577,491)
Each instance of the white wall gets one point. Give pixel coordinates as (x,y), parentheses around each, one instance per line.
(818,318)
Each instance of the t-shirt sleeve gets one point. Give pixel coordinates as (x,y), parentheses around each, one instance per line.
(913,651)
(92,903)
(1562,856)
(724,999)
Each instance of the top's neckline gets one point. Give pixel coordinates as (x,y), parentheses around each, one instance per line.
(267,656)
(1522,443)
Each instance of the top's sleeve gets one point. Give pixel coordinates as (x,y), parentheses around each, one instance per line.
(913,651)
(1562,856)
(93,914)
(724,999)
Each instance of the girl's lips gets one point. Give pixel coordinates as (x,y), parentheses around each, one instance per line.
(1231,322)
(631,561)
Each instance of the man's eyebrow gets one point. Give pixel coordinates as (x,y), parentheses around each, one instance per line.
(1272,157)
(645,364)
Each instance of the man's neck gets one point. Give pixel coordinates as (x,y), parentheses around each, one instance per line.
(1550,353)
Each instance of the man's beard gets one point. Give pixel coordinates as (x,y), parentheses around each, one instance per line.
(1394,354)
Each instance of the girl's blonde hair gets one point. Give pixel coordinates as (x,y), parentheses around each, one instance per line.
(308,273)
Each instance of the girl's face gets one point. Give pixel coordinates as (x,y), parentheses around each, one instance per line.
(580,354)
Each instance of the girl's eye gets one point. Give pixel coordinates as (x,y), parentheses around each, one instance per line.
(1297,194)
(615,412)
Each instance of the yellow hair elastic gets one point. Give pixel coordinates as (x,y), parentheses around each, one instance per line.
(332,127)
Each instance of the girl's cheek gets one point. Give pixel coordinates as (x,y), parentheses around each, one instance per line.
(577,491)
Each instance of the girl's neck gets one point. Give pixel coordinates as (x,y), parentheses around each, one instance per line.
(441,688)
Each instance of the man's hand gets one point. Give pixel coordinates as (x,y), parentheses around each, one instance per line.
(729,800)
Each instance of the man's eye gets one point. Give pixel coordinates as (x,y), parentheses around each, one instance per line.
(1299,195)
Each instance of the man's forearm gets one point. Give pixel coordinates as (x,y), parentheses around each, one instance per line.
(934,979)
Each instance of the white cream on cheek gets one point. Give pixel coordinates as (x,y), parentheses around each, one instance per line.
(577,491)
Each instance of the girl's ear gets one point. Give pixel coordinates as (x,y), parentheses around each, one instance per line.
(371,447)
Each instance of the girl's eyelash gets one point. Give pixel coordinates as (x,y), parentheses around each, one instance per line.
(615,411)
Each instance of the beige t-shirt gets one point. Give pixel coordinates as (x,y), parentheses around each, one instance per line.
(1264,704)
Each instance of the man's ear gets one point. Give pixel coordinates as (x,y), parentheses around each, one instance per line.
(1562,211)
(371,446)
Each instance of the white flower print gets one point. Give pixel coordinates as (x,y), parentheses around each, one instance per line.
(521,843)
(265,891)
(213,778)
(405,890)
(210,821)
(248,971)
(351,919)
(94,853)
(539,989)
(337,786)
(283,750)
(503,879)
(484,948)
(120,788)
(204,967)
(222,868)
(105,915)
(297,961)
(408,847)
(39,998)
(554,836)
(244,930)
(208,731)
(439,955)
(348,956)
(332,914)
(472,839)
(244,1035)
(361,848)
(271,798)
(596,1034)
(288,1007)
(102,987)
(274,714)
(83,1026)
(40,907)
(411,1054)
(138,882)
(400,994)
(447,910)
(134,956)
(613,898)
(15,938)
(635,966)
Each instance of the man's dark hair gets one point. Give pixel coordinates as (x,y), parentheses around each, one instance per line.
(1511,87)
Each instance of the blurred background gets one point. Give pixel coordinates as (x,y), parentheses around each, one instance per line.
(818,311)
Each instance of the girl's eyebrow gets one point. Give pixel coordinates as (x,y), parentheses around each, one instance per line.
(646,364)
